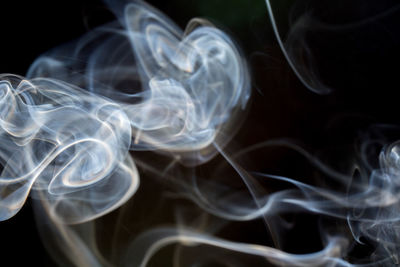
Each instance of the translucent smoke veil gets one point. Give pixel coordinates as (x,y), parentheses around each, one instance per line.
(63,140)
(138,146)
(151,62)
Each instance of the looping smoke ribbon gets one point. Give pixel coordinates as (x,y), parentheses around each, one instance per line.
(71,145)
(67,142)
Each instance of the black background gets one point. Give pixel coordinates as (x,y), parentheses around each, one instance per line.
(365,83)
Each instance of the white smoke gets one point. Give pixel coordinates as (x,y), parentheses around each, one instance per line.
(73,131)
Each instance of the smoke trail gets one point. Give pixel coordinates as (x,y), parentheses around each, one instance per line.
(337,32)
(58,138)
(190,82)
(149,243)
(143,84)
(70,146)
(190,85)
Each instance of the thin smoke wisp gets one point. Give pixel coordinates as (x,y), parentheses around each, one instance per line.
(132,128)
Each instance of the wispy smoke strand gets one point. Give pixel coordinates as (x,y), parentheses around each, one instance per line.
(143,84)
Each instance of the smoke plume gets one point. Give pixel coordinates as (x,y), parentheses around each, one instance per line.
(124,140)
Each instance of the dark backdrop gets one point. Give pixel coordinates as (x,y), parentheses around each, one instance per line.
(366,83)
